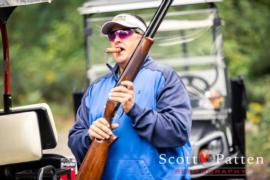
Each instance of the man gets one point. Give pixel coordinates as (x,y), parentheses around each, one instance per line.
(153,122)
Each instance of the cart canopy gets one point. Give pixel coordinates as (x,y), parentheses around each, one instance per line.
(101,6)
(9,3)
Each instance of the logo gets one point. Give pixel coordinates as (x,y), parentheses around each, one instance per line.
(120,18)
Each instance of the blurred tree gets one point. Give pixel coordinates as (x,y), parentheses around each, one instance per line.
(47,55)
(247,35)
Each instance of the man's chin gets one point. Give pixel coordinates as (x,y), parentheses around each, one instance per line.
(121,61)
(122,64)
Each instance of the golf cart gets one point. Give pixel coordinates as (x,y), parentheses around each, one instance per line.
(190,40)
(27,130)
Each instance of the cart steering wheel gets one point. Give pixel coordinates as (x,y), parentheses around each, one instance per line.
(192,78)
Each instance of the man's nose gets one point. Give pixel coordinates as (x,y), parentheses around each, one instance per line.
(117,39)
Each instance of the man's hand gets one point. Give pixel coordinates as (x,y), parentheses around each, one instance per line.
(123,94)
(100,129)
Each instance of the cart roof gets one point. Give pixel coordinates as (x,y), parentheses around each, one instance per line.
(9,3)
(101,6)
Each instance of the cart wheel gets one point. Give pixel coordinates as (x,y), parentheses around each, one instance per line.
(47,168)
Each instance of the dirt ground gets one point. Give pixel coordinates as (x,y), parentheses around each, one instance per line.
(260,172)
(61,147)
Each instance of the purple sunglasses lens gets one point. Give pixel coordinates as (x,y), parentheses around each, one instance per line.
(112,36)
(122,34)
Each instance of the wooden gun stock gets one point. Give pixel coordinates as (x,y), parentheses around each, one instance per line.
(95,159)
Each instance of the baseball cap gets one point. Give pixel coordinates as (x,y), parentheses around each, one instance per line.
(125,20)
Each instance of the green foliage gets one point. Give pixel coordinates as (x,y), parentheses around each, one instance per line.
(246,34)
(47,55)
(258,135)
(258,131)
(245,31)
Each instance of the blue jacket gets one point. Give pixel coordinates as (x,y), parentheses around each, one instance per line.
(152,138)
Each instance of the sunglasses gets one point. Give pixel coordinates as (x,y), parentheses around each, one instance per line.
(122,34)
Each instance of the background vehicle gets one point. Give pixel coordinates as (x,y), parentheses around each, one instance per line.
(27,130)
(189,40)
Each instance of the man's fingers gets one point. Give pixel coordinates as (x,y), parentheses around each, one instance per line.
(115,125)
(127,84)
(103,121)
(119,89)
(93,134)
(100,132)
(120,95)
(104,128)
(119,99)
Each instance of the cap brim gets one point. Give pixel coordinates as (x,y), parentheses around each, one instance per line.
(107,27)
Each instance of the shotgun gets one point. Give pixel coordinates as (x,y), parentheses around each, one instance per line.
(96,156)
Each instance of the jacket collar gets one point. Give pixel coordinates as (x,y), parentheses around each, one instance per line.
(114,69)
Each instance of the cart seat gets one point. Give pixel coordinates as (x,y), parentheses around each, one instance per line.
(25,132)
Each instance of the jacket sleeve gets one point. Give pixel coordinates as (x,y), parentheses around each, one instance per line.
(169,124)
(78,139)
